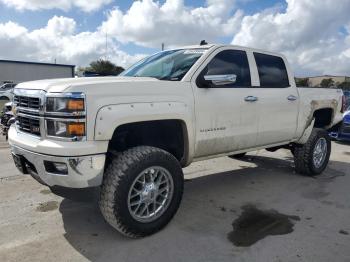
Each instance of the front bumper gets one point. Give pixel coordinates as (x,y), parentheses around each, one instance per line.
(83,171)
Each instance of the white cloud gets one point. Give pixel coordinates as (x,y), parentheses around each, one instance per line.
(315,36)
(85,5)
(149,23)
(307,32)
(59,41)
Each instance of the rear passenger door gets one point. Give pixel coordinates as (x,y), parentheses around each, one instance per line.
(278,100)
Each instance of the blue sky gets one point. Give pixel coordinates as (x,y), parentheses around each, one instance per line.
(314,37)
(89,21)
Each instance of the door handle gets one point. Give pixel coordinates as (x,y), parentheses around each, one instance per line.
(250,99)
(292,98)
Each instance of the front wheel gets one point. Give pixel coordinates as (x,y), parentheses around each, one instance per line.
(312,158)
(142,191)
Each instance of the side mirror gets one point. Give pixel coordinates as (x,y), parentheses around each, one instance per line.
(219,80)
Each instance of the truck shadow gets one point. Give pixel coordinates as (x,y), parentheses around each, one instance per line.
(209,206)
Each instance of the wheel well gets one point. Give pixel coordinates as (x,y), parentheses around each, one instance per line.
(323,117)
(169,135)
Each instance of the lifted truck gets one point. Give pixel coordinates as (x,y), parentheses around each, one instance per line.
(131,135)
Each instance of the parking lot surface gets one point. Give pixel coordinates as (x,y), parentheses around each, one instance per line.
(288,217)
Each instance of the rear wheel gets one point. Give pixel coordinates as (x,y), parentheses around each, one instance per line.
(312,158)
(142,191)
(237,156)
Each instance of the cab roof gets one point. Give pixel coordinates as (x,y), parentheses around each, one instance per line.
(210,46)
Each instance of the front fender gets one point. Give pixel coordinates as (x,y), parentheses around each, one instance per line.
(110,117)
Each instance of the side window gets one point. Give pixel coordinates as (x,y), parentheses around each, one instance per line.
(230,62)
(272,71)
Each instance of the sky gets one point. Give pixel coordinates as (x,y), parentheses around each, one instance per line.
(313,34)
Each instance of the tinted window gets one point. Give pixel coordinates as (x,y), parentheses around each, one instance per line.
(230,62)
(272,71)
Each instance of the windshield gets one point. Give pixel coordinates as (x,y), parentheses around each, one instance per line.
(167,65)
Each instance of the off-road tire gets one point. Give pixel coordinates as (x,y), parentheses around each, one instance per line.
(303,154)
(119,175)
(237,156)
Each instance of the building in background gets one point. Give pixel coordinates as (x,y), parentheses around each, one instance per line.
(20,71)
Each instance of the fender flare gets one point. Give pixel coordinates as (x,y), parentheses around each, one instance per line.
(110,117)
(307,132)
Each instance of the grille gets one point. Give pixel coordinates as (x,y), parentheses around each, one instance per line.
(28,125)
(27,102)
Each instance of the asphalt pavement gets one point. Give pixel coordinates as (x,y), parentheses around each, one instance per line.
(254,209)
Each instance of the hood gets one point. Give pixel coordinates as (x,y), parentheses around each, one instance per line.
(60,85)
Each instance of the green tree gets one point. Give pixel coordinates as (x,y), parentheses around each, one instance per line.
(302,81)
(104,68)
(328,82)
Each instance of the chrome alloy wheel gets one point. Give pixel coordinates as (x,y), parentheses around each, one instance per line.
(320,152)
(150,194)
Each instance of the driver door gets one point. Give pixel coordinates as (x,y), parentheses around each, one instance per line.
(226,113)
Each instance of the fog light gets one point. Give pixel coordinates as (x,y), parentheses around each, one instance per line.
(56,167)
(61,167)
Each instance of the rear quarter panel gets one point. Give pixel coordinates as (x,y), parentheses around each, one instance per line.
(312,99)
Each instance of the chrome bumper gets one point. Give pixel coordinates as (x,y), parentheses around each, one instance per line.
(83,171)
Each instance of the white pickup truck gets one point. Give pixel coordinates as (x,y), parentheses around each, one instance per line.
(131,135)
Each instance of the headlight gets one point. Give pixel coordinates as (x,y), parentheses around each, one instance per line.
(65,129)
(71,103)
(65,116)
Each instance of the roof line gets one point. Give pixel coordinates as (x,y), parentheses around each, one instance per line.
(34,63)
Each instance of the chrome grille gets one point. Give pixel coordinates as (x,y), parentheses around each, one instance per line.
(28,125)
(27,102)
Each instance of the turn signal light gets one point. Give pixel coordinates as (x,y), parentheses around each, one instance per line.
(75,105)
(76,129)
(343,106)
